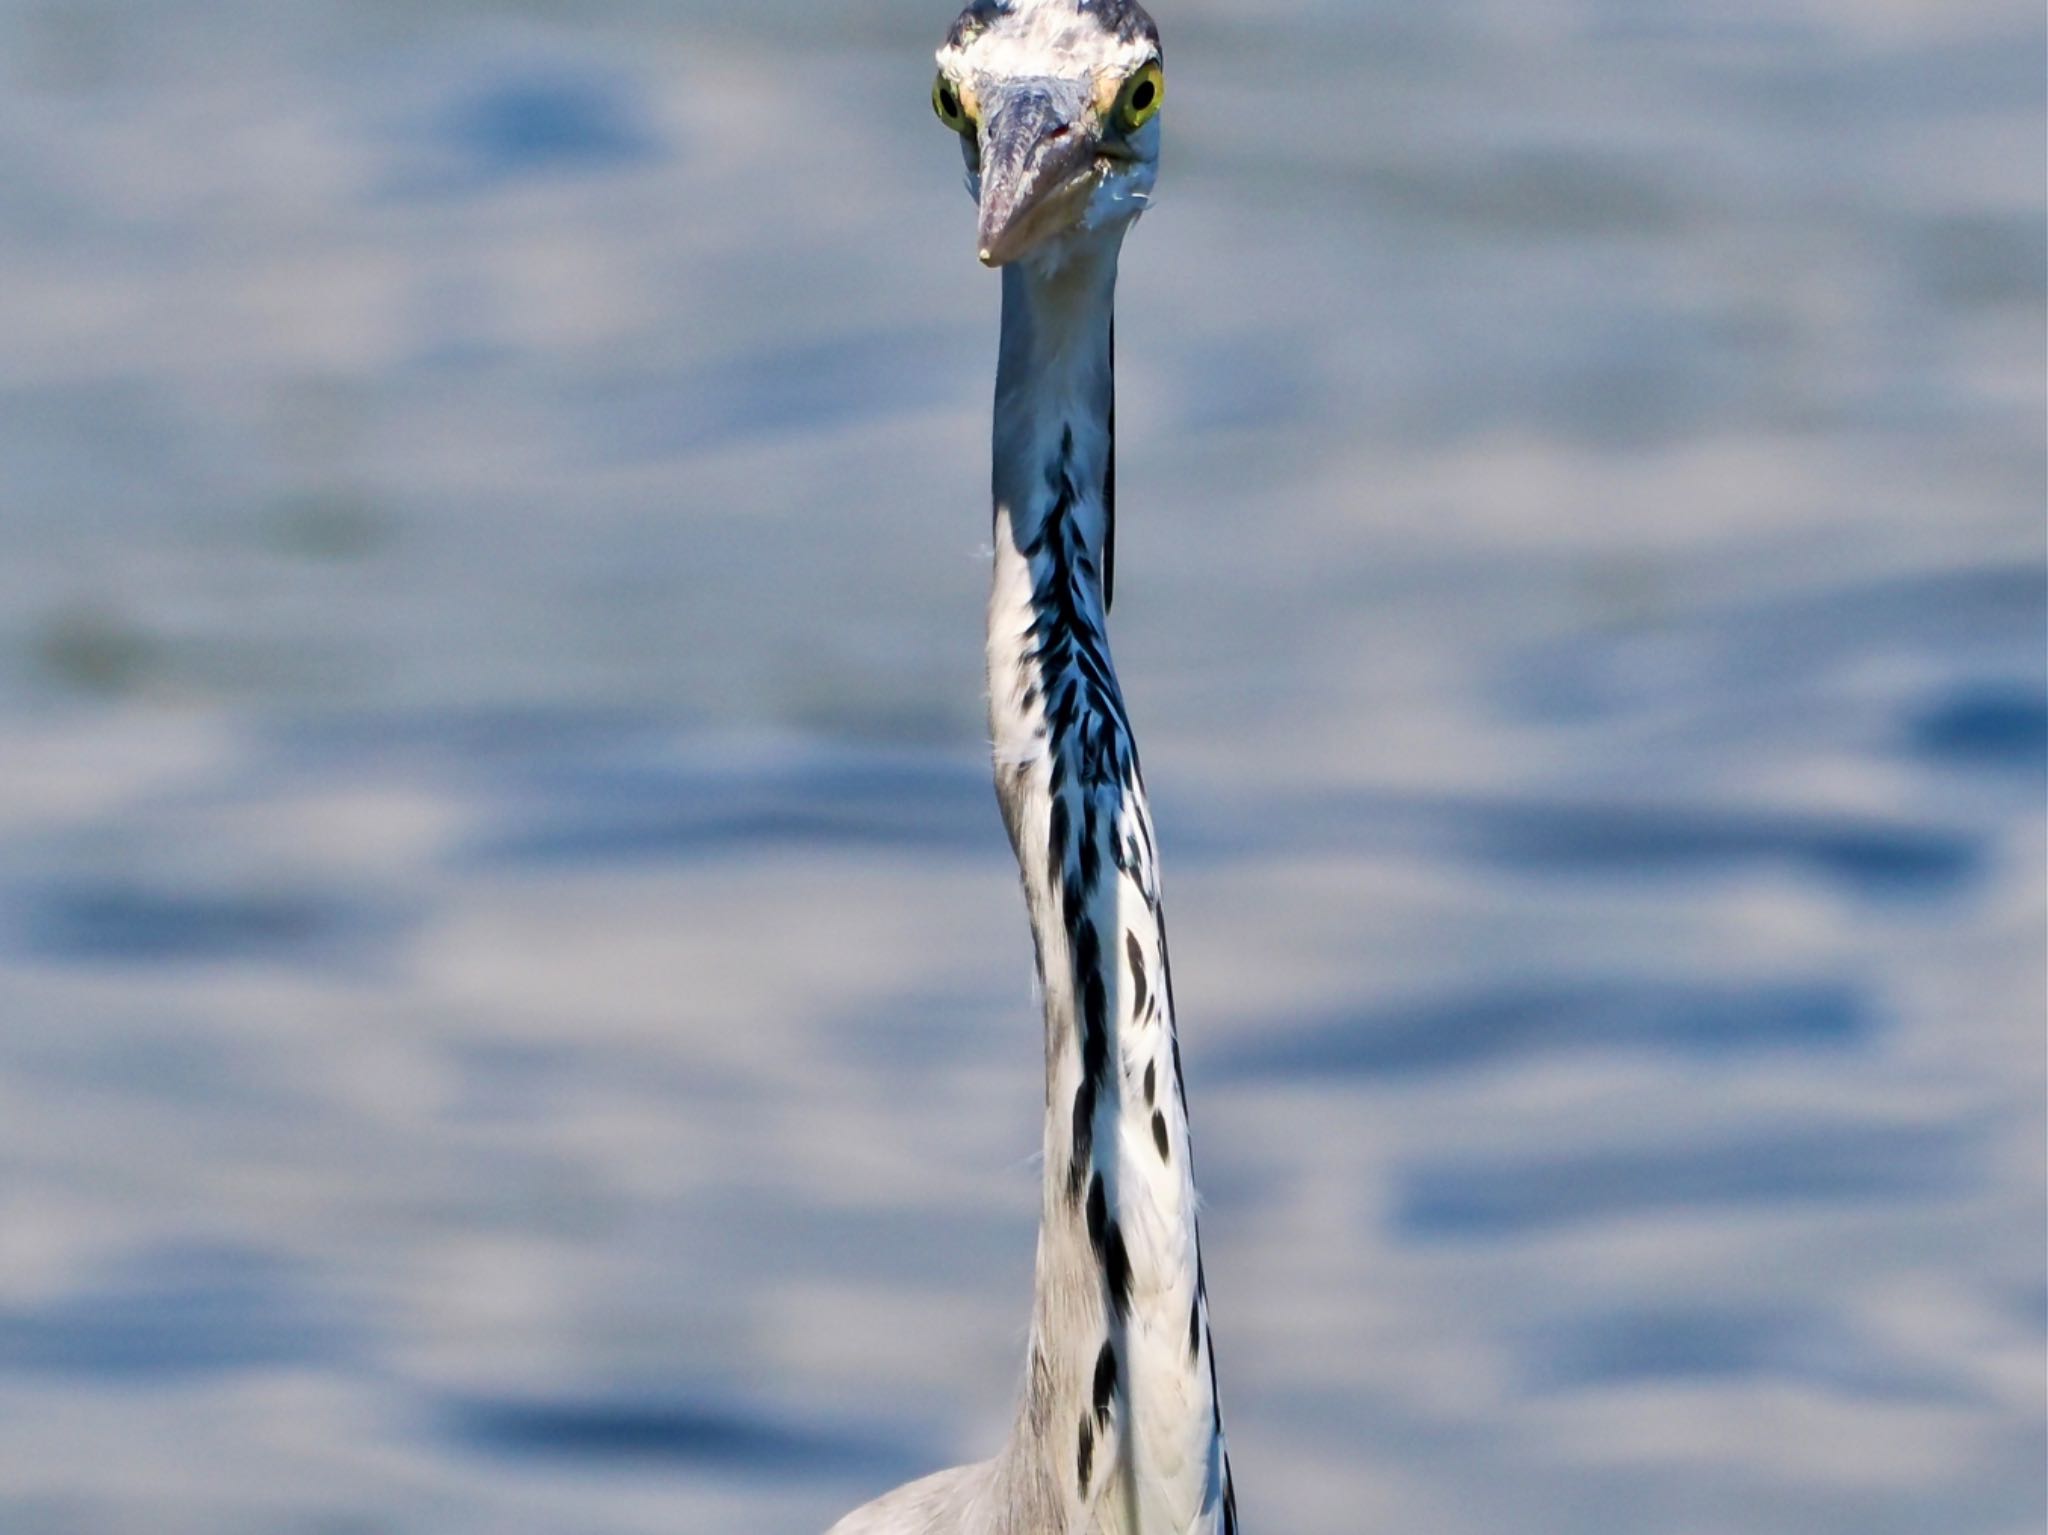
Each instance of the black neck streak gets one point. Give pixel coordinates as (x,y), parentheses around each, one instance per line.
(1092,764)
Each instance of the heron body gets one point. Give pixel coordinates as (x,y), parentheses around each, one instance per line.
(1119,1430)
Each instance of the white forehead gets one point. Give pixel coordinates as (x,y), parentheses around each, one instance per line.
(1042,38)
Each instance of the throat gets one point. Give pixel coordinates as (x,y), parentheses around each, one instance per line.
(1066,764)
(1048,649)
(1055,454)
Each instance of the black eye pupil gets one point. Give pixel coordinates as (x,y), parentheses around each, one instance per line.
(948,102)
(1141,98)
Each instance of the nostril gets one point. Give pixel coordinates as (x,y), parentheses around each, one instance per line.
(1058,133)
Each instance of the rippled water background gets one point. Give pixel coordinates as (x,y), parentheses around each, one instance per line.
(514,1013)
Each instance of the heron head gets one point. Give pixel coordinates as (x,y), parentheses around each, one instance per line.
(1057,106)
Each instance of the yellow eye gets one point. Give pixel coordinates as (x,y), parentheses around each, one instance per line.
(952,109)
(1140,100)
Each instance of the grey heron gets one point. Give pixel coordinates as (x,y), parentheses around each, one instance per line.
(1118,1430)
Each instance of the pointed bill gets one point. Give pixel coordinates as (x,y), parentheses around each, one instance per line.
(1038,169)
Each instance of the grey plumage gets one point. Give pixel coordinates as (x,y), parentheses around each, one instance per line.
(1118,1430)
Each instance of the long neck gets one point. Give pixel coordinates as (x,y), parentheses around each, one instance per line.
(1120,1430)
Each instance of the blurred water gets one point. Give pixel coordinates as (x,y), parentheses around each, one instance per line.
(516,1008)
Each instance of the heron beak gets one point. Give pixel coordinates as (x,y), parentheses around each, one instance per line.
(1038,169)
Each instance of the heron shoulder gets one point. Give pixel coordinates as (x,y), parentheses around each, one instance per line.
(953,1502)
